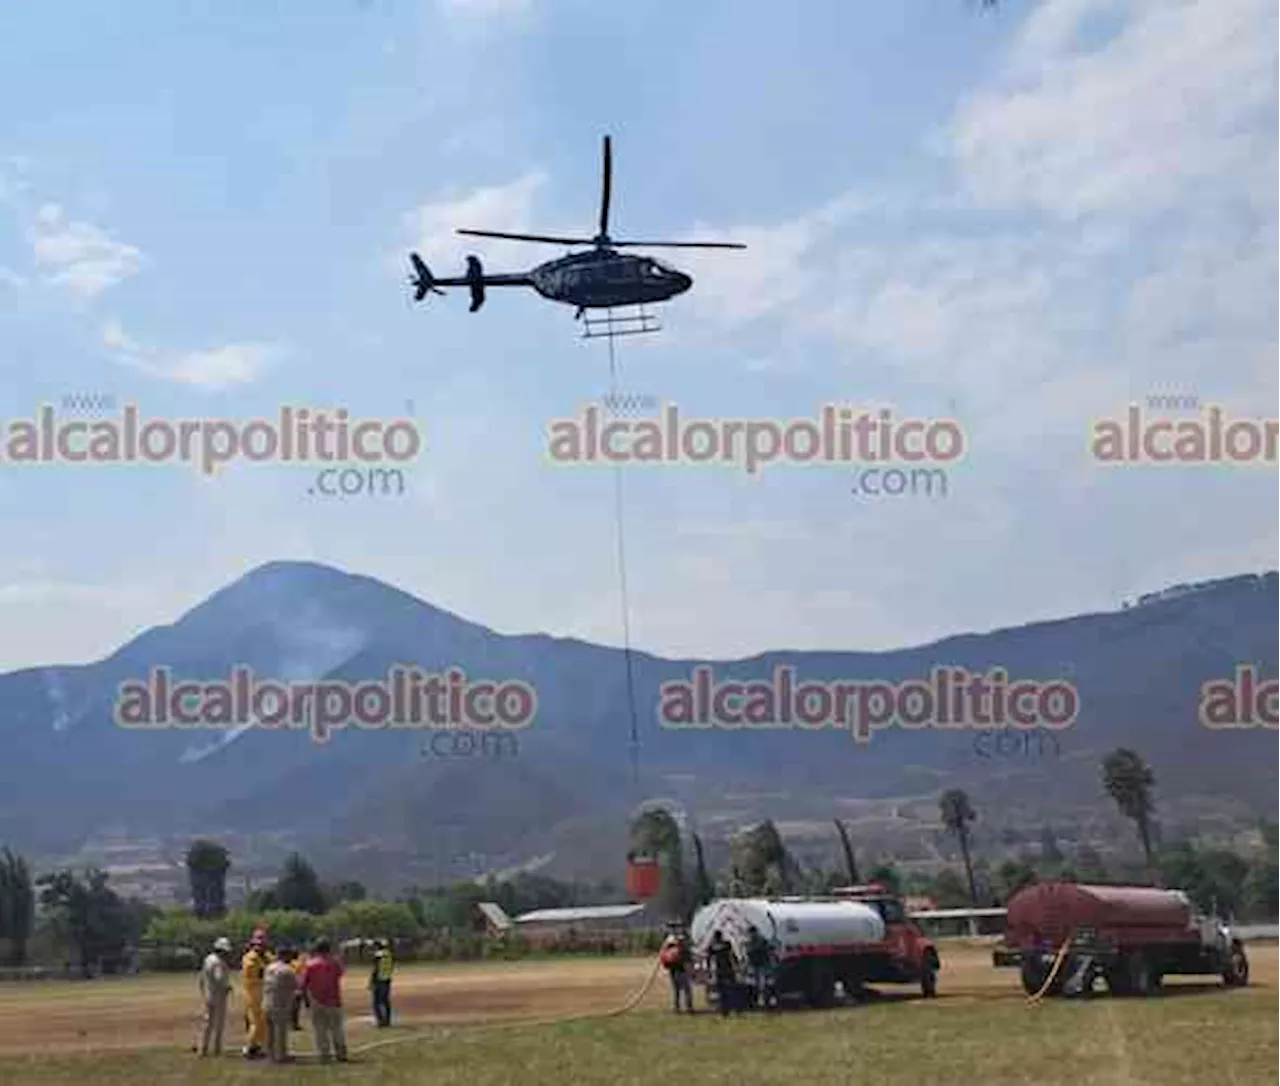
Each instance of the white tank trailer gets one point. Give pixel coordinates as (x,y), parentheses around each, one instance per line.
(815,943)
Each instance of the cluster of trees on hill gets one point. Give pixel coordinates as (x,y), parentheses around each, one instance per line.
(1216,879)
(760,864)
(79,914)
(436,922)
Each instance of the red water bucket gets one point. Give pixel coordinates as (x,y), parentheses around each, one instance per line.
(644,877)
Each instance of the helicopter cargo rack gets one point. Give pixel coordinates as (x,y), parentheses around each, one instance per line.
(637,323)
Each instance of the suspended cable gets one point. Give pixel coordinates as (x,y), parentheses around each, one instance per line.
(620,528)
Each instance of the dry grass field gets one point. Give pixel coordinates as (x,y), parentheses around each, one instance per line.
(484,1025)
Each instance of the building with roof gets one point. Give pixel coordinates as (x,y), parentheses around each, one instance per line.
(589,922)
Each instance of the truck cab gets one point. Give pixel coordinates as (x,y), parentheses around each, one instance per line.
(908,954)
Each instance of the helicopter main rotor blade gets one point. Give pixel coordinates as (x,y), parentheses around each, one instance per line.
(677,244)
(607,189)
(526,237)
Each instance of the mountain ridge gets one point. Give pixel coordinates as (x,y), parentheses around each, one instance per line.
(1137,670)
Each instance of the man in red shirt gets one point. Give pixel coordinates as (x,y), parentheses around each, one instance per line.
(322,982)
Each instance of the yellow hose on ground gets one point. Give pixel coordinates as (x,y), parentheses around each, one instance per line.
(1033,1000)
(630,1003)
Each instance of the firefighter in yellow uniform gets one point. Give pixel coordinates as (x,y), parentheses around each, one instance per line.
(252,967)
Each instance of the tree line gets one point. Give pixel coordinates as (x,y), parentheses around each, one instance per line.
(81,915)
(1216,879)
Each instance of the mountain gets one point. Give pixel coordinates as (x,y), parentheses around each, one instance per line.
(370,802)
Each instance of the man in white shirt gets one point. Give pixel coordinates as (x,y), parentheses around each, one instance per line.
(280,984)
(215,989)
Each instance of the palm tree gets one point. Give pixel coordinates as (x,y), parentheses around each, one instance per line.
(17,905)
(849,861)
(762,862)
(207,866)
(957,813)
(1129,781)
(704,889)
(656,833)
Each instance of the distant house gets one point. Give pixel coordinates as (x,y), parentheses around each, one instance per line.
(496,921)
(592,923)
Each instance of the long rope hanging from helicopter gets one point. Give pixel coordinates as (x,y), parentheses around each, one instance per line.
(601,278)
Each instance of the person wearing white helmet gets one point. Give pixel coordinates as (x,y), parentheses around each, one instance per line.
(215,989)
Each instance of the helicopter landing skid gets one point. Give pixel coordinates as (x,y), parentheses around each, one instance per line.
(638,323)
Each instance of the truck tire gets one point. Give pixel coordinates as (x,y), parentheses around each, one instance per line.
(1117,978)
(821,989)
(1236,973)
(1139,974)
(929,977)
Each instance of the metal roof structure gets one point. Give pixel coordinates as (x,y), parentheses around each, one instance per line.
(494,915)
(955,914)
(588,912)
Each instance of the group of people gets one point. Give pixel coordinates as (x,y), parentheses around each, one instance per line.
(277,984)
(735,989)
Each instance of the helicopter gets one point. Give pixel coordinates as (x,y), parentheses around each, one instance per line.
(600,278)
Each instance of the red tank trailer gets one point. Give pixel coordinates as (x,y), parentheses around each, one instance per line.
(1130,936)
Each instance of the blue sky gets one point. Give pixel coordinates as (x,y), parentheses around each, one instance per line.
(1024,219)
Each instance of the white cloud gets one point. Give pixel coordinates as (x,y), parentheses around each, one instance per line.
(1167,108)
(233,364)
(775,270)
(773,531)
(82,257)
(433,226)
(213,368)
(1104,113)
(46,591)
(485,7)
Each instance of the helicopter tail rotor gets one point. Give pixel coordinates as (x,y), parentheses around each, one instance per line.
(422,279)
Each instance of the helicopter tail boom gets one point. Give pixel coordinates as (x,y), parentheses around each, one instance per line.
(424,282)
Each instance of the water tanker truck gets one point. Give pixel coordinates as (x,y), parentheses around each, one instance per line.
(1129,936)
(817,942)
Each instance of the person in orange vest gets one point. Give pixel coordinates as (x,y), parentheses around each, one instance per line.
(253,967)
(676,958)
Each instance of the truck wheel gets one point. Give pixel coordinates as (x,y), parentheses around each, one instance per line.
(1236,974)
(1117,978)
(822,985)
(929,977)
(1139,970)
